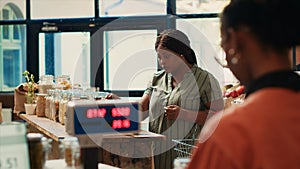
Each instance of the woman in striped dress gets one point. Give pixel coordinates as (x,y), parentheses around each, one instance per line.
(179,98)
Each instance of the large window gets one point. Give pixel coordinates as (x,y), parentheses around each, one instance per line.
(12,49)
(13,10)
(205,40)
(130,59)
(132,7)
(65,54)
(83,39)
(45,9)
(200,6)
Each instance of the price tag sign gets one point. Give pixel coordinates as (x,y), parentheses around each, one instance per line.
(13,146)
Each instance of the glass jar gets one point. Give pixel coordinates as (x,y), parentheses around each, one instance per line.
(49,98)
(63,106)
(41,105)
(54,105)
(76,153)
(46,82)
(72,151)
(63,81)
(46,142)
(36,150)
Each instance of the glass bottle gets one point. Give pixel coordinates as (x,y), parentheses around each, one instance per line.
(49,99)
(54,105)
(63,106)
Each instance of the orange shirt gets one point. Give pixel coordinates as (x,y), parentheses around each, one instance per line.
(261,133)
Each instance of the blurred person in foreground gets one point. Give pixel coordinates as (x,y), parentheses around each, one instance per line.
(263,132)
(178,98)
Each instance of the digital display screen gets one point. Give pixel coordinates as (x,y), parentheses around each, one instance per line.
(106,118)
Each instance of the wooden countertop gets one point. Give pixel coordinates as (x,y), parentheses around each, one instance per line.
(52,129)
(122,144)
(56,131)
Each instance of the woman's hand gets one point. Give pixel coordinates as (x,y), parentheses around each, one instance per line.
(112,96)
(172,112)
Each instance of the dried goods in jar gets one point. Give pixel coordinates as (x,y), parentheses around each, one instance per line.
(41,105)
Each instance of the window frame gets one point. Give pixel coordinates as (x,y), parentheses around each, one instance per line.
(34,27)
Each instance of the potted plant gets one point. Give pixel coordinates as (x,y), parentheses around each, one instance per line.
(29,87)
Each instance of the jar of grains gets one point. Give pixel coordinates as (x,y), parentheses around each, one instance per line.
(36,150)
(49,98)
(46,82)
(54,105)
(72,151)
(64,81)
(63,106)
(41,105)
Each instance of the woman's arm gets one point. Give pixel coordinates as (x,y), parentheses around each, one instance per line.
(174,111)
(144,106)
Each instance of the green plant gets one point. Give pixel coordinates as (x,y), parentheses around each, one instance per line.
(30,87)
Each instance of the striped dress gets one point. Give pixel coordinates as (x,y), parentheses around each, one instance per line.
(197,88)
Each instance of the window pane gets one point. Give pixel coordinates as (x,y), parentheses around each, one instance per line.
(12,59)
(5,32)
(132,7)
(14,10)
(129,59)
(16,32)
(205,40)
(200,6)
(11,68)
(62,9)
(65,54)
(5,14)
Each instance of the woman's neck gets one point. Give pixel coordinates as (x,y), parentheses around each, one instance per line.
(178,75)
(277,63)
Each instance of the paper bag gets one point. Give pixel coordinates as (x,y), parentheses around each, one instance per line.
(19,99)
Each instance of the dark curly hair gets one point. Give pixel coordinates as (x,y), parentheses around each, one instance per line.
(177,42)
(275,23)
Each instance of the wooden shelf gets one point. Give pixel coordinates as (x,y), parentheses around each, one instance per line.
(52,129)
(56,131)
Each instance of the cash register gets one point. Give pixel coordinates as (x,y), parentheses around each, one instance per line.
(90,121)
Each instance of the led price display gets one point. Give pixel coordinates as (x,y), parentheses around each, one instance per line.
(114,112)
(95,113)
(106,118)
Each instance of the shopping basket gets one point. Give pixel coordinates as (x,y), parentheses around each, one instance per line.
(184,147)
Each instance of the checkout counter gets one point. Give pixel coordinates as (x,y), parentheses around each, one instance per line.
(108,132)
